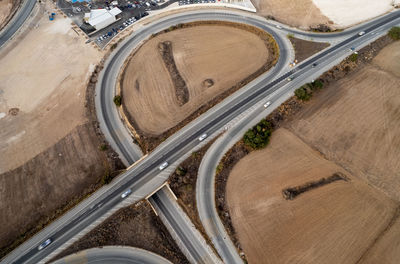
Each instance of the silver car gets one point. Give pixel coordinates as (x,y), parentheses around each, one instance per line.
(202,137)
(44,244)
(126,193)
(163,166)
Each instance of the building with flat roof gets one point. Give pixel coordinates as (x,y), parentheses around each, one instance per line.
(100,18)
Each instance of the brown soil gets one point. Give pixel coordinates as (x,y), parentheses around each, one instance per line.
(335,223)
(50,151)
(46,86)
(305,49)
(356,123)
(135,226)
(49,184)
(386,249)
(301,13)
(290,109)
(204,53)
(7,11)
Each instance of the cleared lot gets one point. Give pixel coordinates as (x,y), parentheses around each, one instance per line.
(359,127)
(210,59)
(352,127)
(49,147)
(311,13)
(301,13)
(308,228)
(47,87)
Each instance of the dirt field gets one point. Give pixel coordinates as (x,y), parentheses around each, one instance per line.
(47,86)
(351,127)
(204,56)
(301,13)
(32,193)
(367,141)
(135,226)
(7,10)
(339,10)
(311,13)
(49,143)
(276,230)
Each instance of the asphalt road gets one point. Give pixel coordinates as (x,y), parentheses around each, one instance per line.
(112,255)
(189,239)
(172,149)
(17,21)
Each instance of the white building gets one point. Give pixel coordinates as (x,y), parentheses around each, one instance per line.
(100,18)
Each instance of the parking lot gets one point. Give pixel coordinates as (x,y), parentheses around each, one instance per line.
(190,2)
(132,11)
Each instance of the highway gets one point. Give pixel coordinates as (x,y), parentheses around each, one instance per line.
(180,144)
(189,239)
(112,255)
(17,21)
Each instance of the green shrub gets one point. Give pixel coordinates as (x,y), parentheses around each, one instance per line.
(316,85)
(117,100)
(258,136)
(181,171)
(107,177)
(394,33)
(354,57)
(219,168)
(303,93)
(103,147)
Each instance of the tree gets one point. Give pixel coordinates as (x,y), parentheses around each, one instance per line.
(258,136)
(117,100)
(394,33)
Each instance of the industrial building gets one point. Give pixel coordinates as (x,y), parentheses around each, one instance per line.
(101,18)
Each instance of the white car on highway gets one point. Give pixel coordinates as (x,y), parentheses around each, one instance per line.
(361,33)
(267,104)
(163,166)
(202,137)
(44,244)
(126,193)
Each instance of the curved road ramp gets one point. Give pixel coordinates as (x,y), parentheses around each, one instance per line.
(113,254)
